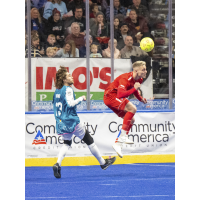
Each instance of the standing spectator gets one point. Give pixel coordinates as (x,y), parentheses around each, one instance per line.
(51,42)
(119,10)
(140,9)
(93,10)
(78,17)
(100,29)
(137,26)
(130,50)
(120,37)
(69,50)
(75,35)
(107,53)
(35,52)
(55,26)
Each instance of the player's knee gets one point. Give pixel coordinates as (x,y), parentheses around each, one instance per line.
(133,109)
(88,138)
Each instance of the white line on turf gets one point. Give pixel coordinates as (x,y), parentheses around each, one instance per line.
(143,196)
(138,179)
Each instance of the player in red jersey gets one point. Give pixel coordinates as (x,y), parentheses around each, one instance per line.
(115,98)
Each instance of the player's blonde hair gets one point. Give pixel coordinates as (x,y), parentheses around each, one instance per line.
(60,76)
(138,64)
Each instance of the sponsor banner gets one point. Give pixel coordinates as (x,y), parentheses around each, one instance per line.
(152,133)
(98,105)
(44,71)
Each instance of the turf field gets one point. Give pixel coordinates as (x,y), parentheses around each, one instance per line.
(154,181)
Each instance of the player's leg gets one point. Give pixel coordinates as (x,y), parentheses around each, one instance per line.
(128,120)
(87,138)
(61,155)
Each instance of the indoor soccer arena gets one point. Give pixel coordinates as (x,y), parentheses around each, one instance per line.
(100,99)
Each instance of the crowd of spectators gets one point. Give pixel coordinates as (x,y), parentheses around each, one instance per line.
(58,28)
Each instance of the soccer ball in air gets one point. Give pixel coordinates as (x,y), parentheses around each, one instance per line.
(147,44)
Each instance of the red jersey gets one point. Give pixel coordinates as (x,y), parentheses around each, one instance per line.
(124,81)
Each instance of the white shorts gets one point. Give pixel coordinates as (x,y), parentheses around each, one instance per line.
(78,132)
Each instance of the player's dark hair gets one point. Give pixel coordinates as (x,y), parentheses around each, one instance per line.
(60,76)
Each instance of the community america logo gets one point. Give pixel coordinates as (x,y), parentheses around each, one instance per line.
(39,139)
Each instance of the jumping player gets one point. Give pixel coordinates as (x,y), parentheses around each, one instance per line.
(115,98)
(68,122)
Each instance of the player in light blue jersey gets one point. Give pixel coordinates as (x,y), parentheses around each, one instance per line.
(68,122)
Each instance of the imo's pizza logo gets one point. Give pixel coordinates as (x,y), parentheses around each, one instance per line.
(39,139)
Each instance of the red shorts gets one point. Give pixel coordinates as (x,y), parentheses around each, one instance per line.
(115,104)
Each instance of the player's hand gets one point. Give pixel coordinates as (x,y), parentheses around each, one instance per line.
(84,98)
(137,85)
(144,101)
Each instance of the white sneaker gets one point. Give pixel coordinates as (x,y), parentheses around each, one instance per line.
(118,148)
(124,139)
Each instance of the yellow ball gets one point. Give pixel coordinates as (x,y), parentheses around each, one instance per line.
(147,44)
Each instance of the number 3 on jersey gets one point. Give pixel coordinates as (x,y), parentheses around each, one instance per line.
(59,108)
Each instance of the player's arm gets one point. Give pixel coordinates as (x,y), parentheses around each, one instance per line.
(70,98)
(122,91)
(136,93)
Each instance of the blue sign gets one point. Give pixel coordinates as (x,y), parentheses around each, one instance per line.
(98,105)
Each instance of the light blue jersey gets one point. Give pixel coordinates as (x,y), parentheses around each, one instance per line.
(64,103)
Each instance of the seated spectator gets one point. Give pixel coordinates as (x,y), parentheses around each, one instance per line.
(94,9)
(141,10)
(38,3)
(35,52)
(137,26)
(107,53)
(74,3)
(36,23)
(118,10)
(94,49)
(78,17)
(82,50)
(34,32)
(51,42)
(32,6)
(130,50)
(104,5)
(126,3)
(48,8)
(100,30)
(55,27)
(120,36)
(50,52)
(116,23)
(76,36)
(69,50)
(61,6)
